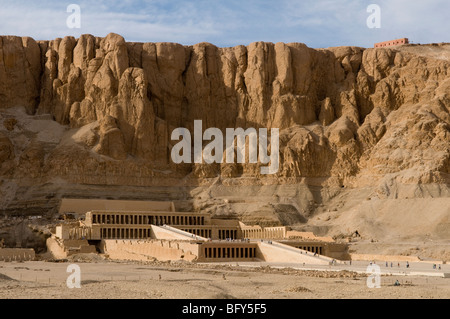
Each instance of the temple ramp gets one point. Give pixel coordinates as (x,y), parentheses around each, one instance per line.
(168,232)
(277,252)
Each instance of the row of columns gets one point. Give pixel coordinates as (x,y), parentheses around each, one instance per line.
(80,233)
(229,252)
(313,249)
(199,232)
(265,233)
(125,233)
(19,257)
(227,233)
(137,219)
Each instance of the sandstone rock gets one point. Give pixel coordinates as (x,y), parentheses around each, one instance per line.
(6,148)
(69,93)
(65,57)
(84,52)
(31,160)
(115,54)
(341,131)
(20,68)
(9,124)
(303,153)
(82,113)
(134,113)
(345,114)
(326,116)
(163,65)
(48,78)
(111,139)
(372,129)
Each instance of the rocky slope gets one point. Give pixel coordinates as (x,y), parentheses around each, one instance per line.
(92,117)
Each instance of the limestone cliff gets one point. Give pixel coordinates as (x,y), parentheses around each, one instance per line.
(100,112)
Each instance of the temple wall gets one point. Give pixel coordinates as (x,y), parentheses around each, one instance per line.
(62,248)
(143,250)
(391,43)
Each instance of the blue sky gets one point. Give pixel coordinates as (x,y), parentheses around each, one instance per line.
(318,23)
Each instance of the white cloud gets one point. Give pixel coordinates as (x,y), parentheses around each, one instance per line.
(318,23)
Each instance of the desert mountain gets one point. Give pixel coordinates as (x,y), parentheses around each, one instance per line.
(364,133)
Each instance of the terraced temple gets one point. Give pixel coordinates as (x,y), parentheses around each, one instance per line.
(170,235)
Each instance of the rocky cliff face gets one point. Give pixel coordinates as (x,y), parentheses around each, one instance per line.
(100,111)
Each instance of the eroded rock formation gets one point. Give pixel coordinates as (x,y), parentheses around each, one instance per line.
(348,116)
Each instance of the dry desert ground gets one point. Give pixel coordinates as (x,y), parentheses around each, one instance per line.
(175,280)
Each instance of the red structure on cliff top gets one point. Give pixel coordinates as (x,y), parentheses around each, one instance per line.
(391,43)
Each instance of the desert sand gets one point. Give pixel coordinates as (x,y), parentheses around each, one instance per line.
(156,280)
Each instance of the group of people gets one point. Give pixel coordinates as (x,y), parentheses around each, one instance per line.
(407,265)
(434,266)
(398,264)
